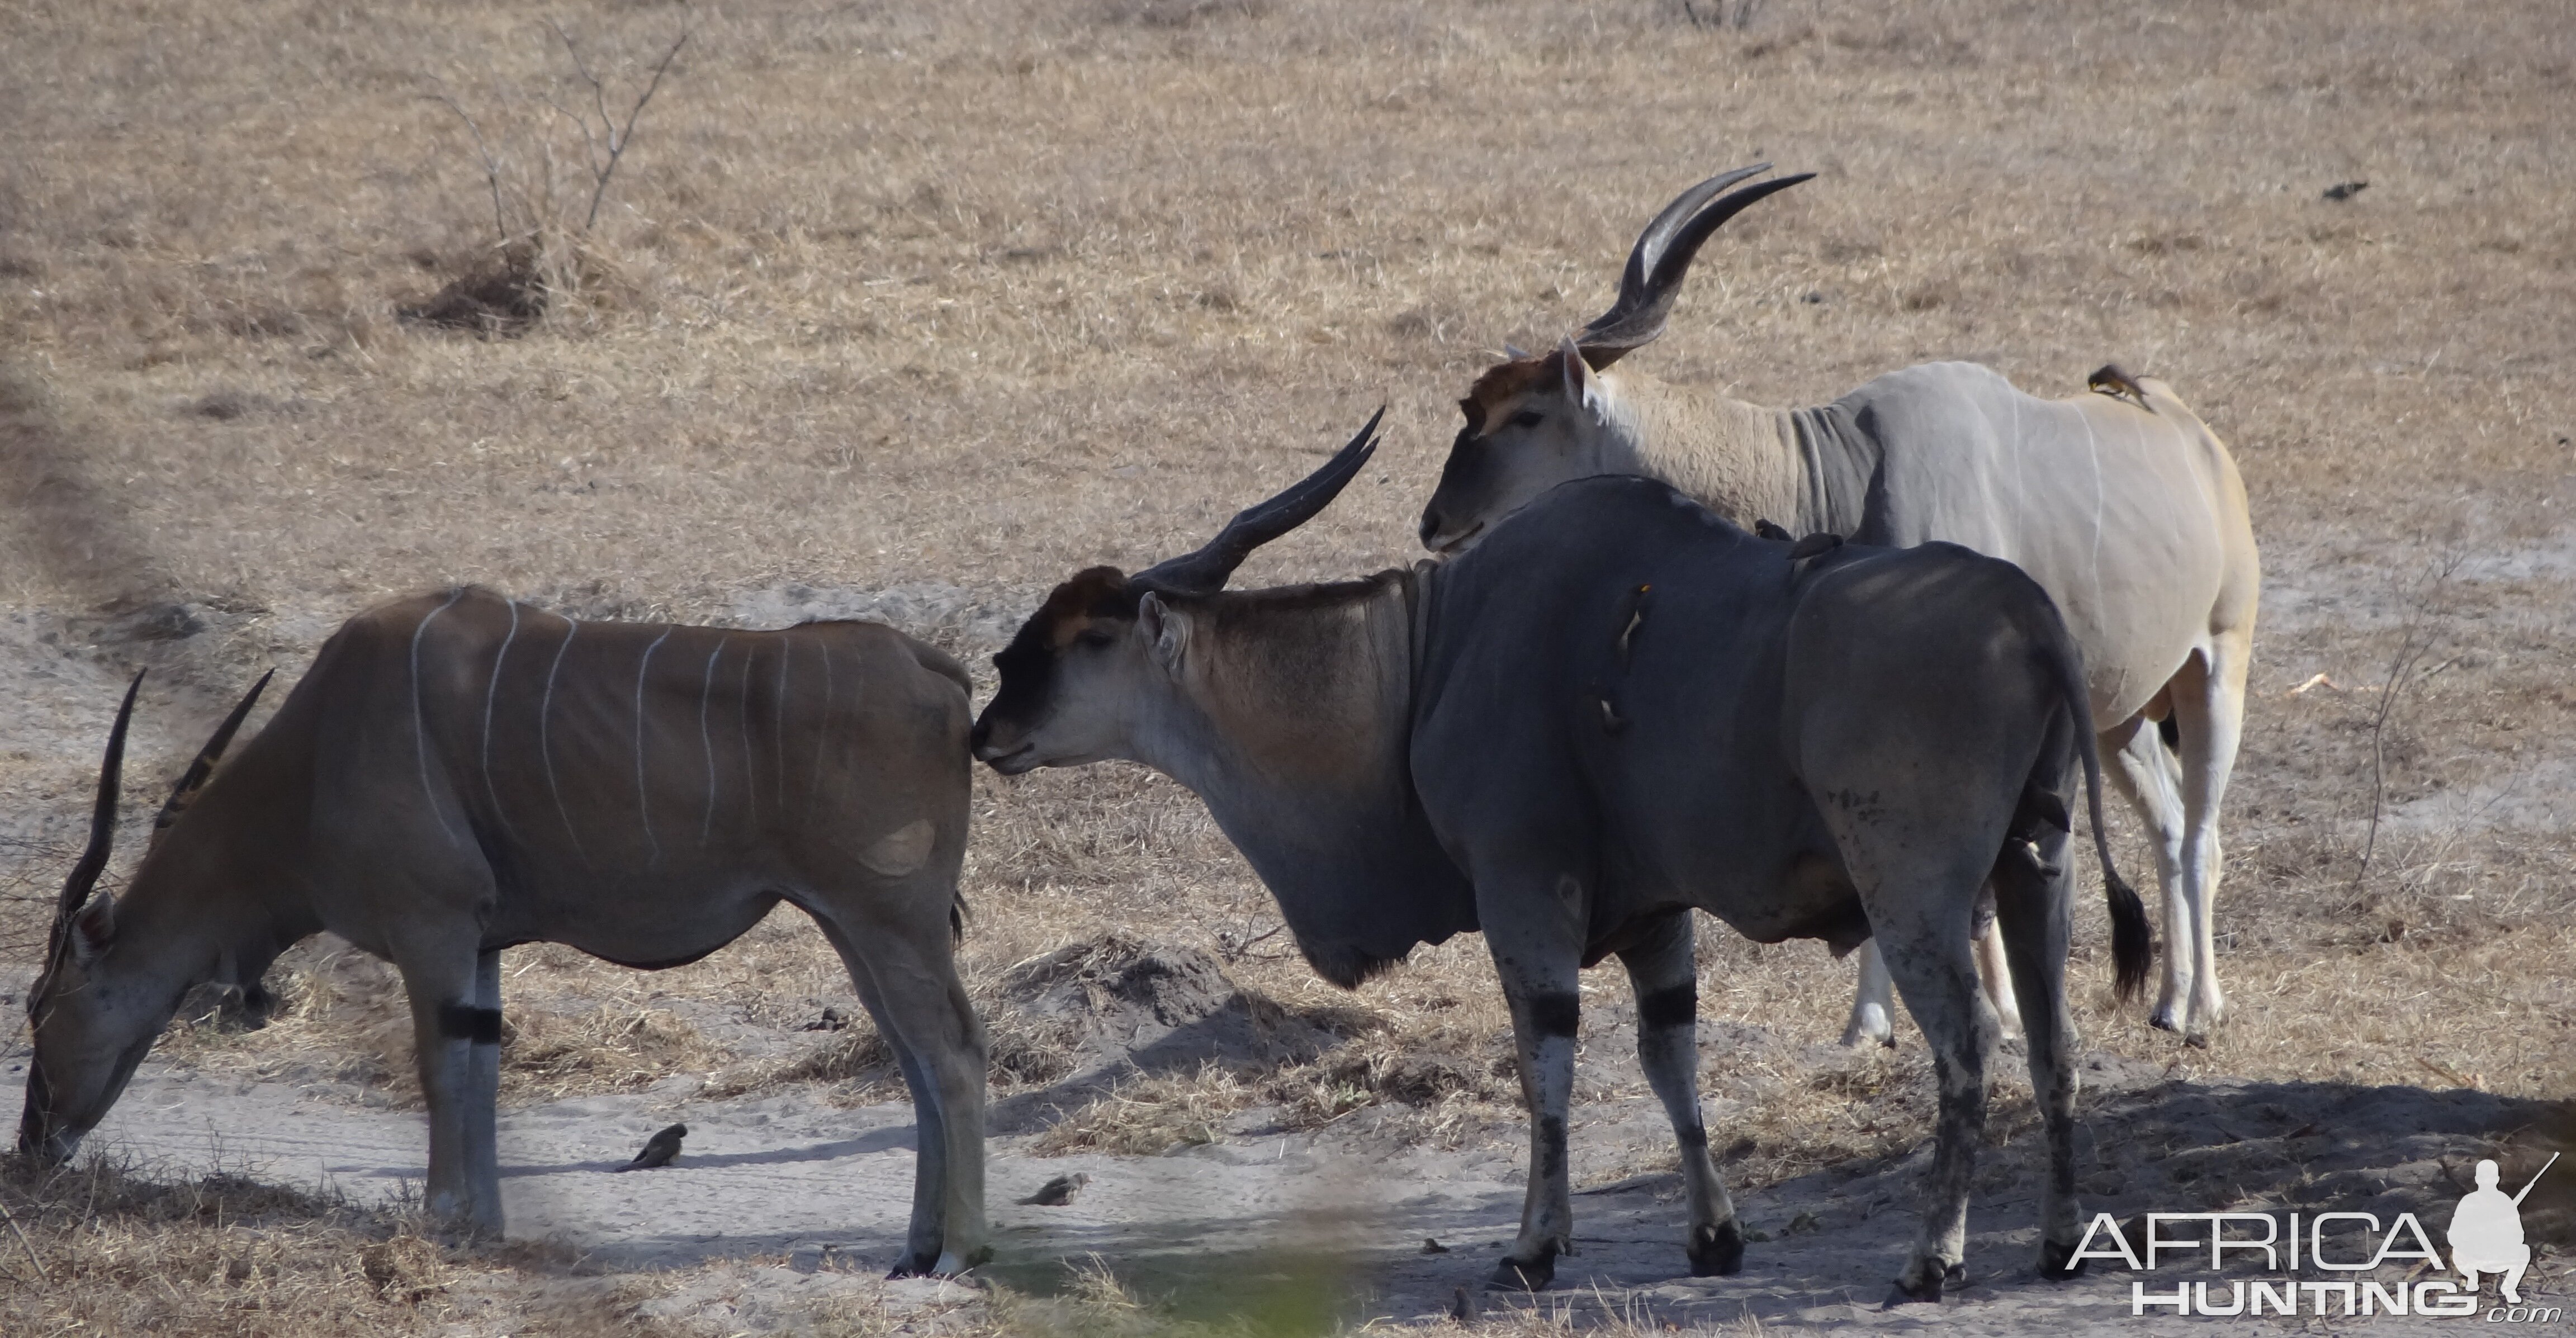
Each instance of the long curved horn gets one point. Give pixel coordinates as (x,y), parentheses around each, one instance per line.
(1663,255)
(194,779)
(102,825)
(1206,570)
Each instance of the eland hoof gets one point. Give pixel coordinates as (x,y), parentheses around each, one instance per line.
(1927,1290)
(2057,1261)
(1717,1250)
(1512,1275)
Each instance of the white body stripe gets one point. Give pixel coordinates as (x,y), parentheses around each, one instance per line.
(706,688)
(643,797)
(419,726)
(545,746)
(490,691)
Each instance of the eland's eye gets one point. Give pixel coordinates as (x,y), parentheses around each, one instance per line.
(1095,638)
(1528,418)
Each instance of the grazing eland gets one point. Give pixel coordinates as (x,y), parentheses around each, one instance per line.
(2122,504)
(458,773)
(1618,708)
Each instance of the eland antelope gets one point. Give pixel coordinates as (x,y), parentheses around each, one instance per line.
(458,773)
(2122,504)
(1618,708)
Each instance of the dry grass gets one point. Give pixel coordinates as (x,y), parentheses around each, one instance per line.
(958,299)
(100,1249)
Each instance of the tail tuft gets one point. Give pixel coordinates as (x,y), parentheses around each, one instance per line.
(2132,950)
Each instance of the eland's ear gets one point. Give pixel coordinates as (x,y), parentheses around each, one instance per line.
(1582,384)
(1166,634)
(93,928)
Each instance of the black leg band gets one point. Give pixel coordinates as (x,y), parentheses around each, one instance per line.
(1554,1012)
(463,1022)
(1674,1006)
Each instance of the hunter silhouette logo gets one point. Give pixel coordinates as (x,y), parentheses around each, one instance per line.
(2485,1237)
(2486,1233)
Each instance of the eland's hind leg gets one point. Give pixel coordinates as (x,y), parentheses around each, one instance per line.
(1873,1018)
(2033,901)
(905,971)
(1665,975)
(1924,930)
(2146,772)
(2209,710)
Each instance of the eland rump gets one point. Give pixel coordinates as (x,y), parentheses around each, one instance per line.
(458,773)
(1616,709)
(2123,505)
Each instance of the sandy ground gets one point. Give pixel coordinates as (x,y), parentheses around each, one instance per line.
(814,1199)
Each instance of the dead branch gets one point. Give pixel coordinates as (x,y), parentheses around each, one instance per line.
(606,149)
(482,150)
(2414,642)
(30,1246)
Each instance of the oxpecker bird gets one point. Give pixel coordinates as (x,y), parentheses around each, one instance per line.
(658,1150)
(1058,1192)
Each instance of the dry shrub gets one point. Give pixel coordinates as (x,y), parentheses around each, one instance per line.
(609,1048)
(1149,1115)
(856,1059)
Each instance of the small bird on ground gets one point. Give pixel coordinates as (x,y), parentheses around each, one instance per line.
(1058,1192)
(2345,190)
(659,1149)
(1432,1245)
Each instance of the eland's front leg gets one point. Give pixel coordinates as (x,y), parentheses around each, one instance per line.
(1666,978)
(1541,966)
(456,1037)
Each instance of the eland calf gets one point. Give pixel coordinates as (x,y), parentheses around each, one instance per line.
(459,773)
(1618,708)
(2122,504)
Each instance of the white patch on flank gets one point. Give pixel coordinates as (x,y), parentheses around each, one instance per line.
(901,851)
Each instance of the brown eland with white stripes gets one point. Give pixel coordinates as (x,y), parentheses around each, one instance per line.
(458,773)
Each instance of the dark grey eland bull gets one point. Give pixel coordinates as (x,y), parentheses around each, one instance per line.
(458,773)
(1618,708)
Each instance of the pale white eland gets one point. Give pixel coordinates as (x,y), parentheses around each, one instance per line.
(2123,505)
